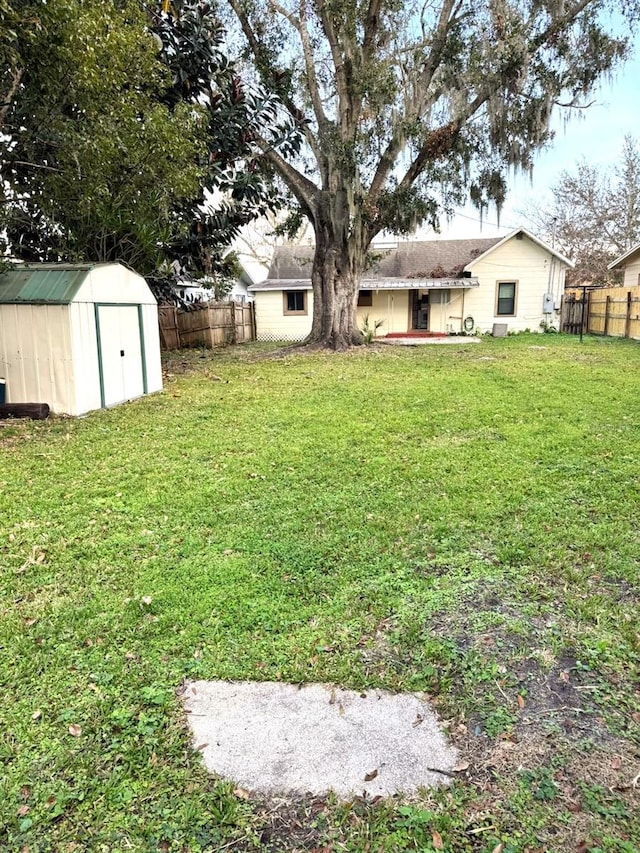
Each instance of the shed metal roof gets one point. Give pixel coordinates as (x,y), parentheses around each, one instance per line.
(42,285)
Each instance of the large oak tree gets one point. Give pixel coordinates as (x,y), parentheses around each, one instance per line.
(407,108)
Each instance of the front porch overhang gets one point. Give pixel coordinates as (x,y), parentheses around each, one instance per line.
(375,284)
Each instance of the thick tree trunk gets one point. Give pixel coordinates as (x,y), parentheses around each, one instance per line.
(337,267)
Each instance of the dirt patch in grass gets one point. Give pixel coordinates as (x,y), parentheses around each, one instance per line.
(291,824)
(534,731)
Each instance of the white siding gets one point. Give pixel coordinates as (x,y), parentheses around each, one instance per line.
(272,324)
(36,355)
(448,316)
(114,283)
(152,347)
(390,306)
(632,274)
(534,269)
(85,357)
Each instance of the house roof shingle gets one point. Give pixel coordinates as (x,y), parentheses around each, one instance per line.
(427,259)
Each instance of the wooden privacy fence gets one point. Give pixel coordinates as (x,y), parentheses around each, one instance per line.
(611,311)
(206,324)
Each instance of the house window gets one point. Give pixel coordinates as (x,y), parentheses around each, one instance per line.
(506,298)
(295,301)
(365,298)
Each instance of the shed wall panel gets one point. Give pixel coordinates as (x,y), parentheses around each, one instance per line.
(85,357)
(152,347)
(36,355)
(114,283)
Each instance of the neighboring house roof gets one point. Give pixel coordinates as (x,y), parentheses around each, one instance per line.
(50,284)
(621,261)
(531,237)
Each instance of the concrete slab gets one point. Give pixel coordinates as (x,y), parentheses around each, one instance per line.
(287,739)
(419,342)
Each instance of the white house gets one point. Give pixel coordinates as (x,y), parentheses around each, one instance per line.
(630,264)
(426,287)
(78,337)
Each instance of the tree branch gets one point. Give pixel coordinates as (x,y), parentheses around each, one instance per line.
(15,82)
(303,189)
(438,143)
(288,102)
(300,26)
(370,27)
(398,139)
(345,105)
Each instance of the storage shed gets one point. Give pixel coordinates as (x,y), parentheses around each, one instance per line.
(78,337)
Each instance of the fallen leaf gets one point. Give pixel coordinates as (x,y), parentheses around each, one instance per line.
(36,715)
(242,794)
(50,801)
(461,767)
(520,701)
(419,719)
(437,840)
(583,847)
(332,698)
(75,730)
(574,806)
(498,848)
(146,599)
(616,763)
(25,793)
(130,656)
(201,746)
(23,810)
(368,777)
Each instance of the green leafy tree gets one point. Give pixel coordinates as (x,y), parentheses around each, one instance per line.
(124,121)
(235,188)
(93,158)
(408,108)
(594,215)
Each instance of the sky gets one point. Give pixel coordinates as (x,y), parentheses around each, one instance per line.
(596,134)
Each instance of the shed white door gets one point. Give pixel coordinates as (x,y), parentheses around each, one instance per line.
(121,353)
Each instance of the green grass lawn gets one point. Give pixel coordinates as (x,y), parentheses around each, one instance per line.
(459,520)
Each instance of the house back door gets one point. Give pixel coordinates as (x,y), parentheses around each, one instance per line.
(120,353)
(419,311)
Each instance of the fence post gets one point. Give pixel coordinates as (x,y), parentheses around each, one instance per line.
(588,311)
(234,331)
(606,316)
(627,322)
